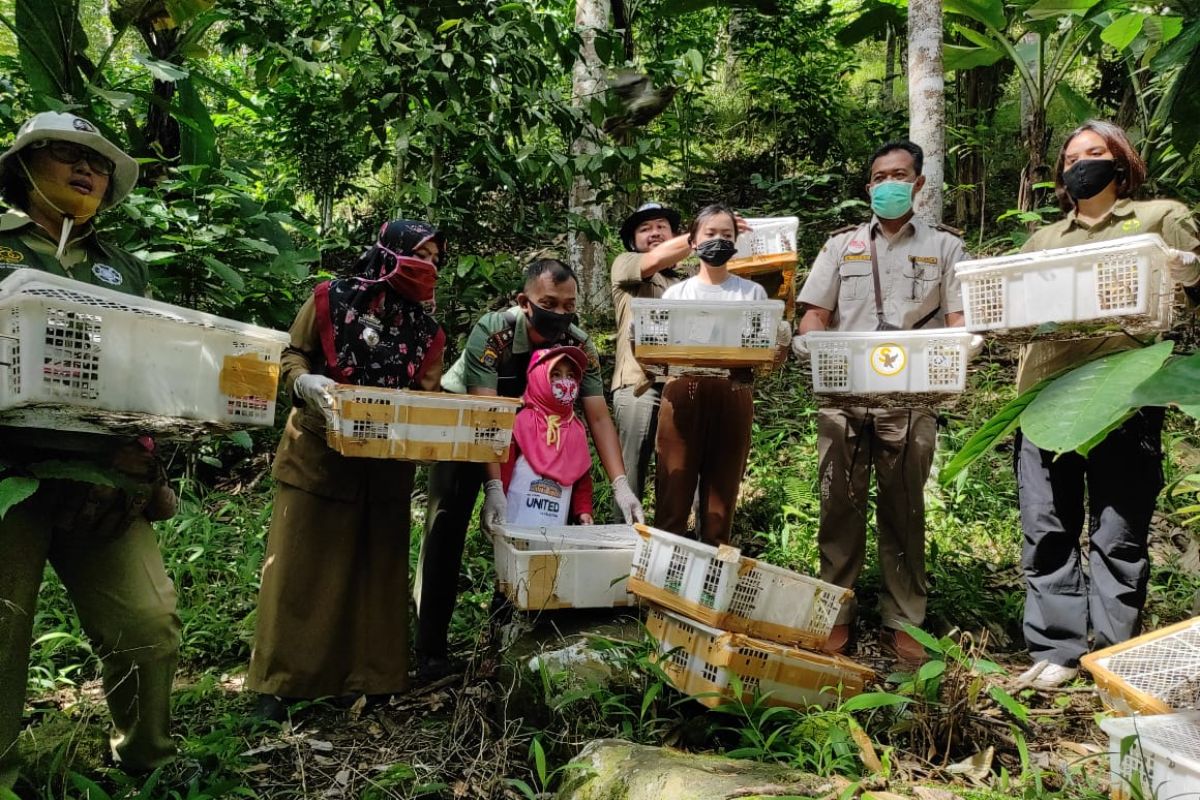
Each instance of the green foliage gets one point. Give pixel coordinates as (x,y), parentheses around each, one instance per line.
(1005,421)
(1077,410)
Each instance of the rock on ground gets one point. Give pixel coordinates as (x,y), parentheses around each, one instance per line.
(625,771)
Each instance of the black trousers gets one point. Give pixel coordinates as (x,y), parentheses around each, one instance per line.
(453,489)
(1117,484)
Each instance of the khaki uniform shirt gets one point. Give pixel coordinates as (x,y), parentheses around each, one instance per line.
(498,352)
(1169,219)
(916,276)
(23,243)
(628,283)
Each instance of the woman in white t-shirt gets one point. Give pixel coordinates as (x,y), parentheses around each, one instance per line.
(704,422)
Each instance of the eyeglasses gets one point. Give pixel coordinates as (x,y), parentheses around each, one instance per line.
(71,153)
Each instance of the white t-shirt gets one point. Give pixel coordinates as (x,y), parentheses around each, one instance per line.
(733,288)
(535,501)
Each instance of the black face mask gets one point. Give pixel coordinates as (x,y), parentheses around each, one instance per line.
(551,325)
(1089,176)
(716,251)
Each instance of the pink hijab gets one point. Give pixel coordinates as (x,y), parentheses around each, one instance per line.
(552,439)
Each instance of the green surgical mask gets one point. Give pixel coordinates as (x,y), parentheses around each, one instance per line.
(891,199)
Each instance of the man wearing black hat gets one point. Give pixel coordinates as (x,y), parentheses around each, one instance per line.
(654,247)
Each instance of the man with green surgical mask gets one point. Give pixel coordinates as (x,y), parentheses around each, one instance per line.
(892,272)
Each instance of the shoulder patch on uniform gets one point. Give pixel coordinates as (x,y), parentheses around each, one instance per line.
(943,227)
(110,275)
(11,256)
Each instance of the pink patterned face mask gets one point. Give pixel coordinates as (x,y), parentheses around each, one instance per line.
(565,390)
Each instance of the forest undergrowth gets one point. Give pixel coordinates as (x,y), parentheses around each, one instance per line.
(954,724)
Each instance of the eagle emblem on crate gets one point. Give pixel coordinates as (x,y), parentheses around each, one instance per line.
(889,359)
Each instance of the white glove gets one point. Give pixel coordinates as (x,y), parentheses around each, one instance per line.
(976,346)
(800,347)
(495,508)
(312,388)
(627,501)
(1184,267)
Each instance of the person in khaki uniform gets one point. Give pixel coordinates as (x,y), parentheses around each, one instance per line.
(913,286)
(58,173)
(655,247)
(333,610)
(1097,175)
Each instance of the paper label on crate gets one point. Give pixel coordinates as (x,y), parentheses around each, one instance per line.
(248,375)
(700,329)
(889,359)
(534,500)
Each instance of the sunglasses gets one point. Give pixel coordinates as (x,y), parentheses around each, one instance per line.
(71,153)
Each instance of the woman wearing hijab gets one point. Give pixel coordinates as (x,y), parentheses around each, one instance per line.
(333,607)
(1097,177)
(547,479)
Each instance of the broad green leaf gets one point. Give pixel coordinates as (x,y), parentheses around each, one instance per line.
(224,272)
(1162,29)
(242,439)
(1176,384)
(89,788)
(931,669)
(118,100)
(956,58)
(978,37)
(1121,32)
(1008,703)
(926,640)
(989,12)
(1080,107)
(1075,411)
(448,24)
(161,70)
(182,11)
(1185,108)
(15,490)
(80,471)
(197,133)
(1179,50)
(260,246)
(1050,9)
(51,47)
(1004,422)
(876,18)
(865,702)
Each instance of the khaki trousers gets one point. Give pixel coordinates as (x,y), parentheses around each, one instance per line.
(703,442)
(126,604)
(898,444)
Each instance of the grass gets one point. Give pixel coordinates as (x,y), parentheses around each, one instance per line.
(214,548)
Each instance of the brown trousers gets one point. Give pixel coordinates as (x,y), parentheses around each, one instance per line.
(703,438)
(898,443)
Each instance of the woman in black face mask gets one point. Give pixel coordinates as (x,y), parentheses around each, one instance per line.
(704,425)
(1096,178)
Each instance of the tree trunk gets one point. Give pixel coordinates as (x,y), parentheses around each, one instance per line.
(887,92)
(1034,135)
(927,100)
(587,255)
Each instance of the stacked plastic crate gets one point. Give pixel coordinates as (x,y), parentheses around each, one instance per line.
(724,621)
(1152,684)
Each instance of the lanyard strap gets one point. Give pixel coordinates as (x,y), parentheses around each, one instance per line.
(880,323)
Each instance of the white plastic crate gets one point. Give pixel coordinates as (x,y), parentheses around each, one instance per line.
(1154,756)
(84,358)
(722,588)
(721,334)
(889,362)
(369,422)
(1124,278)
(770,243)
(702,660)
(572,566)
(1155,673)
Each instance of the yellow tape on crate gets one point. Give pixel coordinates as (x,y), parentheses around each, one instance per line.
(248,375)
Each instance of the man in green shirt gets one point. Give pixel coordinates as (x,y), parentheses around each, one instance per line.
(55,177)
(494,363)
